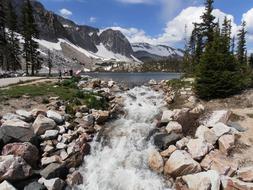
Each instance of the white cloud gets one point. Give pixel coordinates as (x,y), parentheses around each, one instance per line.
(92,19)
(247,17)
(65,13)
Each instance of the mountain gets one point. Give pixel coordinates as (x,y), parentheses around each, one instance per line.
(146,52)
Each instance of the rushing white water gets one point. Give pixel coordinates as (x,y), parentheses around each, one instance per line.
(119,161)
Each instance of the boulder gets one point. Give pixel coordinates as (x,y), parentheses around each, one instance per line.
(14,168)
(101,116)
(42,124)
(216,160)
(35,112)
(220,129)
(209,180)
(167,116)
(216,117)
(181,144)
(16,131)
(25,150)
(226,143)
(174,126)
(236,126)
(229,183)
(55,116)
(89,120)
(155,161)
(164,140)
(199,109)
(166,153)
(35,186)
(180,163)
(74,179)
(12,116)
(200,132)
(53,184)
(49,160)
(25,114)
(246,174)
(54,170)
(5,185)
(50,134)
(210,137)
(198,148)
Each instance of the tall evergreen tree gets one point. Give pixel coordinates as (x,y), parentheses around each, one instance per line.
(251,60)
(49,62)
(13,42)
(30,32)
(241,46)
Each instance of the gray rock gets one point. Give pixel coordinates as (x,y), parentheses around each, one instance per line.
(25,114)
(164,140)
(50,134)
(35,186)
(236,126)
(5,185)
(53,184)
(55,116)
(54,170)
(42,124)
(16,131)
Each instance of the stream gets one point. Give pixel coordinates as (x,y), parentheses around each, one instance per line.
(120,160)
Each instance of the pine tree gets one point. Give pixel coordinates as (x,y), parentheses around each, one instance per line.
(13,42)
(251,60)
(241,46)
(49,62)
(3,41)
(30,32)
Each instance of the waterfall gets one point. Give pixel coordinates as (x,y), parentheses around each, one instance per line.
(120,160)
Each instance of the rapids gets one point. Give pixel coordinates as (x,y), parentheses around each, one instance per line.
(120,160)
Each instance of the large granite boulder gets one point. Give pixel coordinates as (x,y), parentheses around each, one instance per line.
(42,124)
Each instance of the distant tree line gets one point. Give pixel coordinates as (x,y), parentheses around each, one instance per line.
(220,69)
(10,49)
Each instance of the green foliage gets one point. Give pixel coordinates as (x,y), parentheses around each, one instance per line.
(177,84)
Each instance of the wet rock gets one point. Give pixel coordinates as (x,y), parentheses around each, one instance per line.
(167,116)
(164,140)
(217,161)
(25,150)
(55,116)
(101,116)
(166,153)
(25,114)
(198,148)
(180,163)
(74,179)
(226,143)
(53,184)
(42,124)
(35,186)
(5,185)
(209,180)
(14,168)
(235,184)
(50,134)
(155,161)
(23,131)
(54,170)
(245,174)
(174,126)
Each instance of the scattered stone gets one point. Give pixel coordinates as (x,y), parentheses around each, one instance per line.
(49,160)
(226,143)
(155,161)
(54,170)
(217,117)
(50,134)
(5,185)
(61,146)
(14,168)
(166,153)
(53,184)
(181,144)
(199,109)
(25,114)
(78,115)
(55,116)
(236,126)
(164,140)
(23,131)
(74,179)
(36,112)
(217,161)
(35,186)
(61,129)
(64,155)
(229,183)
(26,150)
(174,126)
(209,180)
(220,129)
(12,116)
(180,163)
(89,120)
(101,116)
(83,109)
(200,132)
(245,174)
(210,137)
(42,124)
(167,116)
(198,148)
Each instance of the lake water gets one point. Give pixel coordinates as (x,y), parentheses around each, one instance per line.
(134,79)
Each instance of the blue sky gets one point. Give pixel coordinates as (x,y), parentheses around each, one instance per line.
(143,19)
